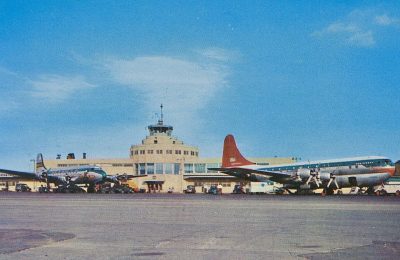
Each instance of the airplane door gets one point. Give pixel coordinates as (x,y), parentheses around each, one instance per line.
(353,181)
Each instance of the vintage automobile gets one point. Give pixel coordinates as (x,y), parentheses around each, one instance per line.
(22,187)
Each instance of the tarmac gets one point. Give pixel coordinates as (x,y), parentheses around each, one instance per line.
(198,226)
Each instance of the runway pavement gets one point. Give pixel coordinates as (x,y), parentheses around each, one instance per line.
(177,226)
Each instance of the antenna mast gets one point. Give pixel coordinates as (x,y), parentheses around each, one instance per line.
(161,121)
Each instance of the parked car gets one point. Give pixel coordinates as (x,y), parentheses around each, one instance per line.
(213,190)
(43,189)
(190,189)
(238,189)
(22,187)
(123,188)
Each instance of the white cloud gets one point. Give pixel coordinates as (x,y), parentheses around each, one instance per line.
(340,27)
(183,84)
(361,38)
(56,88)
(218,54)
(385,20)
(359,28)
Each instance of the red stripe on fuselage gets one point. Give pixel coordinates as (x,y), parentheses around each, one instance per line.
(390,170)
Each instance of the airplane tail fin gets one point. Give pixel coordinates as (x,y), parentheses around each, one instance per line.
(40,164)
(231,155)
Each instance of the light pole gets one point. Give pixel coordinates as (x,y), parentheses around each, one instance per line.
(34,164)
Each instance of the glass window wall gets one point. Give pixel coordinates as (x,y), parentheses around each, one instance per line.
(159,168)
(150,168)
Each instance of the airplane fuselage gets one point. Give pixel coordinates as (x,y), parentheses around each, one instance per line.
(341,173)
(78,175)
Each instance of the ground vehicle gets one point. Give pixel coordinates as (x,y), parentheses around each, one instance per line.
(68,189)
(391,186)
(238,189)
(355,190)
(43,189)
(267,187)
(123,188)
(213,190)
(190,189)
(22,187)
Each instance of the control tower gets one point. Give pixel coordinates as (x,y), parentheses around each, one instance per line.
(163,157)
(160,128)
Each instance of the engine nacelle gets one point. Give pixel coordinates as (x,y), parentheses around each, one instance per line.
(303,173)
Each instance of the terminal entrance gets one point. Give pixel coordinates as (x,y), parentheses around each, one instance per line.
(154,186)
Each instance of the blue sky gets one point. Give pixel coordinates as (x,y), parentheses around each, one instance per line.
(311,79)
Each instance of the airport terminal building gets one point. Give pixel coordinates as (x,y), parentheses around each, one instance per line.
(165,162)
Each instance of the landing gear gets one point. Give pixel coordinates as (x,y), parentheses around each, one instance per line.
(71,188)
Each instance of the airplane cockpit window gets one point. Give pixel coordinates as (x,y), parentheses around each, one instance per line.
(388,162)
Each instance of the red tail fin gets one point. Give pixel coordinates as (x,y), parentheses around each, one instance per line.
(231,155)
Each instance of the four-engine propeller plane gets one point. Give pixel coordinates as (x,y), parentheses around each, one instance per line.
(67,176)
(330,175)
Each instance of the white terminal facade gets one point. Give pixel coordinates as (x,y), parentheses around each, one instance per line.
(166,163)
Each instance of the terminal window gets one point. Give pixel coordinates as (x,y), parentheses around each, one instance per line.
(159,168)
(177,167)
(188,168)
(168,168)
(142,168)
(150,168)
(200,167)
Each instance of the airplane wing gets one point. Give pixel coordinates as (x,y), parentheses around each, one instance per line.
(28,175)
(120,177)
(246,172)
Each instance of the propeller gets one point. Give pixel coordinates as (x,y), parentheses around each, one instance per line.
(315,177)
(332,179)
(68,179)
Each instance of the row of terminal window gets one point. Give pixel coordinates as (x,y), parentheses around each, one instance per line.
(173,168)
(178,152)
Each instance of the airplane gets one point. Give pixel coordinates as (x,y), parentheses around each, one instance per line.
(330,175)
(69,176)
